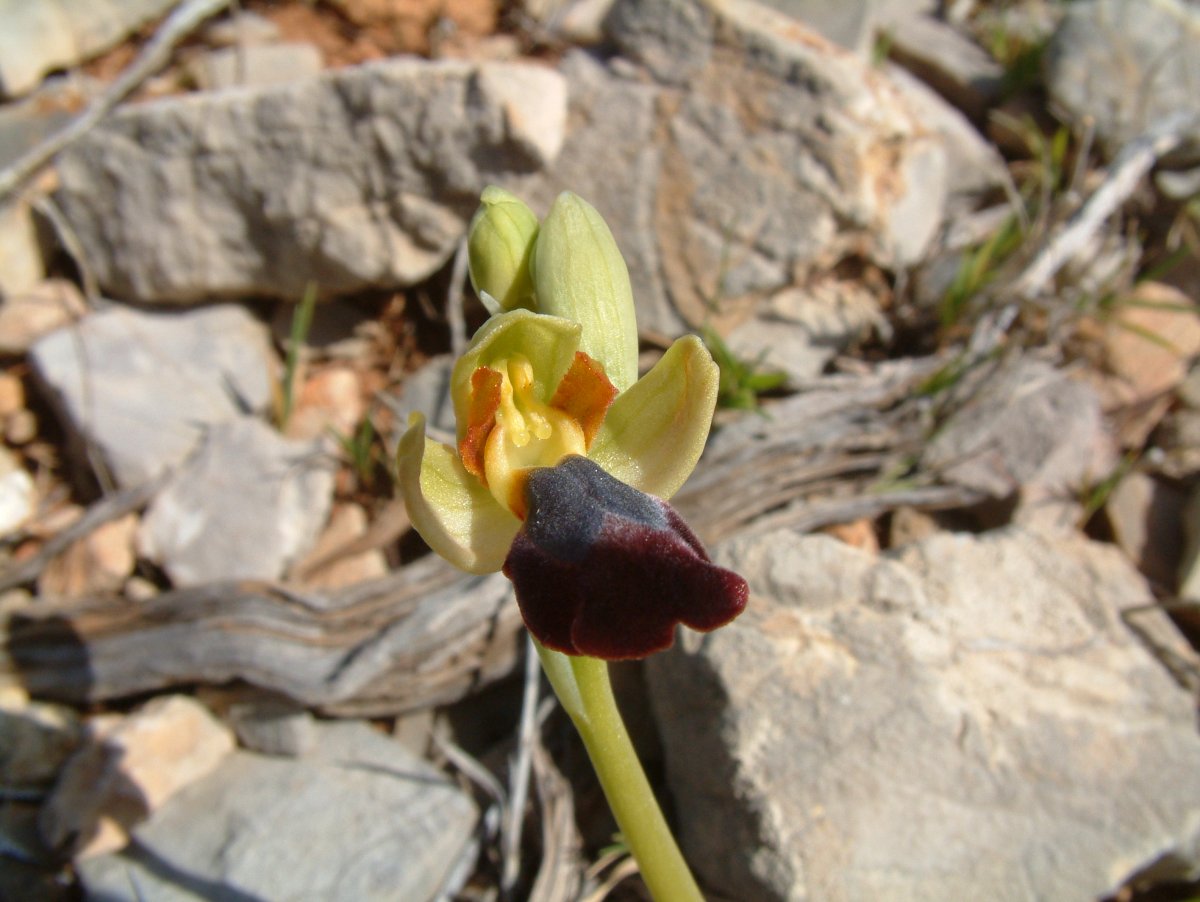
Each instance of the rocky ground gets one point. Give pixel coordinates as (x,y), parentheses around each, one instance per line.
(948,256)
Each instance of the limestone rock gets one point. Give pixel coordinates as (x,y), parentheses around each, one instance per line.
(759,152)
(361,177)
(57,34)
(799,331)
(361,818)
(247,504)
(853,24)
(143,387)
(128,768)
(948,61)
(21,266)
(1149,52)
(969,718)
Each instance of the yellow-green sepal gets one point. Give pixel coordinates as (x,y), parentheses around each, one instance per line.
(499,243)
(451,510)
(654,433)
(549,343)
(579,274)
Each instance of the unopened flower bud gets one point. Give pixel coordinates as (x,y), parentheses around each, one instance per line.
(580,275)
(499,244)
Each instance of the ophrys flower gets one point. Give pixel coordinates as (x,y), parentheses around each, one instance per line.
(563,455)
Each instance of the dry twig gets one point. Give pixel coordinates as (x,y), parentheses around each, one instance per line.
(1127,169)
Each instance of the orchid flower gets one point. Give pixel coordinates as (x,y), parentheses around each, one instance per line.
(562,461)
(563,454)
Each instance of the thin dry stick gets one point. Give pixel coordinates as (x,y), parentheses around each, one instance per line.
(153,57)
(510,836)
(1133,162)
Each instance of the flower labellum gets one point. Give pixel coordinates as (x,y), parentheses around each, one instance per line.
(602,569)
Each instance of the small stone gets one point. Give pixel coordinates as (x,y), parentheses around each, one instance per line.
(36,738)
(36,311)
(243,28)
(357,818)
(255,65)
(329,403)
(326,567)
(18,495)
(245,506)
(1146,516)
(21,428)
(21,266)
(144,387)
(12,394)
(97,564)
(1150,340)
(127,768)
(274,726)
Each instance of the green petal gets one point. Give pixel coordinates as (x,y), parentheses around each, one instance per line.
(450,508)
(579,274)
(547,342)
(654,433)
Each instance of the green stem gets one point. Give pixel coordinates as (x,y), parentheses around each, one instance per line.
(583,688)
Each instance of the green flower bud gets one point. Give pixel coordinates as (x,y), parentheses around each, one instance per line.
(499,244)
(580,275)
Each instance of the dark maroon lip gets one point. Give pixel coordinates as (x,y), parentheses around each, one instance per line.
(604,570)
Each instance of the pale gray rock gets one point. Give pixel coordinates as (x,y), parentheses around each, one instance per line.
(853,24)
(948,61)
(970,718)
(361,818)
(57,34)
(142,388)
(27,315)
(758,151)
(245,505)
(255,65)
(1023,428)
(1121,65)
(361,177)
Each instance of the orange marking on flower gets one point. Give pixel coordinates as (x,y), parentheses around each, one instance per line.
(481,418)
(585,394)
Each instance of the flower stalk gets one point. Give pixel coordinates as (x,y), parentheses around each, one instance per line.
(583,688)
(563,463)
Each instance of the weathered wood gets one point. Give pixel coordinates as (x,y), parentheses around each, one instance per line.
(826,455)
(425,635)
